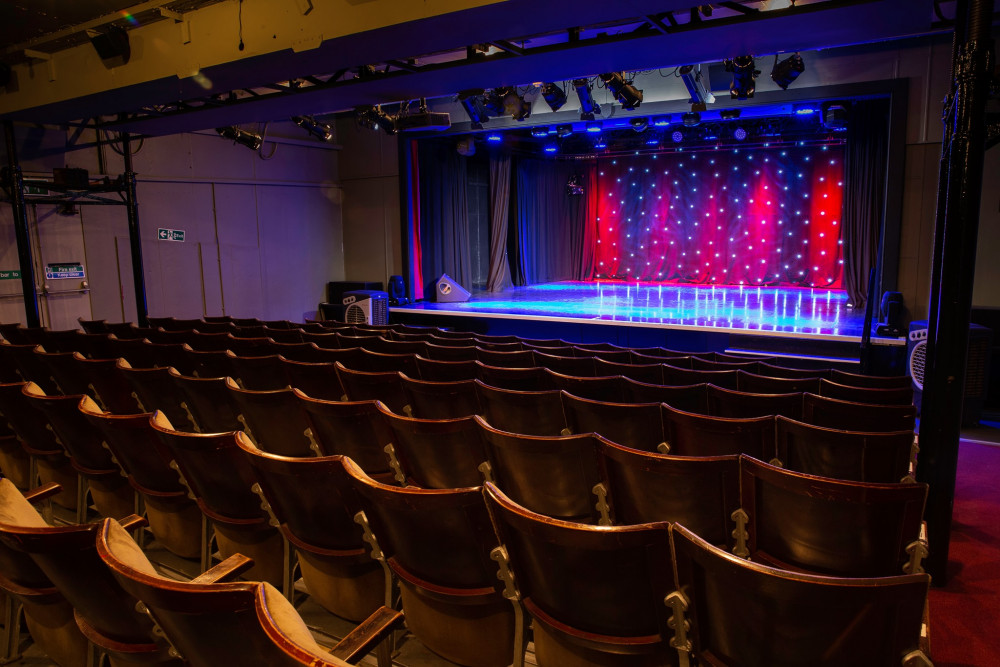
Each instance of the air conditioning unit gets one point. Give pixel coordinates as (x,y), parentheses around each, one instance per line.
(366,307)
(976,367)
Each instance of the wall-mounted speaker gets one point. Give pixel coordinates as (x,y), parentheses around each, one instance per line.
(447,290)
(112,45)
(976,368)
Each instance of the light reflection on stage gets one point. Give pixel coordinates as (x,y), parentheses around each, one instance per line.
(780,311)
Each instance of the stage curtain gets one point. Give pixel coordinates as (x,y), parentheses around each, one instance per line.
(499,278)
(444,215)
(588,258)
(864,193)
(551,223)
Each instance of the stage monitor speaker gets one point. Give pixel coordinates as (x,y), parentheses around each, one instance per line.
(447,290)
(891,324)
(976,368)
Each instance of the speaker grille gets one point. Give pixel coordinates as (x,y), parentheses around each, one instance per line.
(918,360)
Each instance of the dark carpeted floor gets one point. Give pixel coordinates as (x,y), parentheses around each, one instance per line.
(965,613)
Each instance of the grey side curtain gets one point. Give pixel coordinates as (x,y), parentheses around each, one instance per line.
(499,272)
(444,216)
(865,177)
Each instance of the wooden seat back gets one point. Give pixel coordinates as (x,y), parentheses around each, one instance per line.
(274,420)
(636,425)
(688,434)
(700,492)
(154,389)
(827,526)
(876,395)
(209,402)
(854,416)
(385,386)
(350,428)
(436,453)
(607,388)
(551,475)
(743,613)
(526,412)
(849,455)
(742,404)
(441,400)
(598,591)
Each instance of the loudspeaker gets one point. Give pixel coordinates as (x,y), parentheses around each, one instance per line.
(397,291)
(447,290)
(976,368)
(111,45)
(335,290)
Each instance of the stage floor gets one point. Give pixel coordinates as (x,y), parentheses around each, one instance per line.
(761,311)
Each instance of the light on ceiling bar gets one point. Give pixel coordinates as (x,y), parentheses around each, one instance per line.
(588,106)
(699,89)
(744,74)
(320,130)
(472,101)
(785,72)
(628,95)
(242,137)
(554,96)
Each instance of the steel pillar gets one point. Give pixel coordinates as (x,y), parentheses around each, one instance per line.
(15,187)
(956,235)
(135,241)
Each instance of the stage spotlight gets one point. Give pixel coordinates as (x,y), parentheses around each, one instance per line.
(785,72)
(242,137)
(321,131)
(554,96)
(494,137)
(744,74)
(628,95)
(653,140)
(515,105)
(373,117)
(472,102)
(573,186)
(729,114)
(677,136)
(835,116)
(539,132)
(493,101)
(588,106)
(804,109)
(594,126)
(739,134)
(661,121)
(551,148)
(564,130)
(698,86)
(639,124)
(600,144)
(691,118)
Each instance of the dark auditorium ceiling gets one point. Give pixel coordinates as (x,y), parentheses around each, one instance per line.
(486,43)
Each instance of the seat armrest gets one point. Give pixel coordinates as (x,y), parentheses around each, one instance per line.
(44,491)
(362,639)
(227,570)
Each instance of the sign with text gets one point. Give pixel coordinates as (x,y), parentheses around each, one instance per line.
(170,234)
(63,270)
(14,274)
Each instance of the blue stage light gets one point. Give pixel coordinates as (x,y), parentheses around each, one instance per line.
(494,137)
(551,148)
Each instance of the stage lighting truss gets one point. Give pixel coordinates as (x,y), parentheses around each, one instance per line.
(251,140)
(554,96)
(698,86)
(785,72)
(627,94)
(318,129)
(588,106)
(744,73)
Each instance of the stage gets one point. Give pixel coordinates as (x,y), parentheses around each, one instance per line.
(791,321)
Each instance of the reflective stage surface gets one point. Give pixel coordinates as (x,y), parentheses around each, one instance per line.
(777,311)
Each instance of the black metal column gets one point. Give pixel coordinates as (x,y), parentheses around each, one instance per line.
(15,186)
(135,242)
(956,236)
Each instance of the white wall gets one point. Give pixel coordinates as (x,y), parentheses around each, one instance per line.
(262,237)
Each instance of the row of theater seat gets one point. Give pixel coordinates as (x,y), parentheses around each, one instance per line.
(297,480)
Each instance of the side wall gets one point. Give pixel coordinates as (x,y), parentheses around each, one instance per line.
(261,236)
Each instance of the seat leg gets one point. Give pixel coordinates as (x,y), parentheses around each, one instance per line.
(11,630)
(206,543)
(81,498)
(288,560)
(140,509)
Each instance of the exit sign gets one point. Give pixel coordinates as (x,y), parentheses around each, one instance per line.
(170,234)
